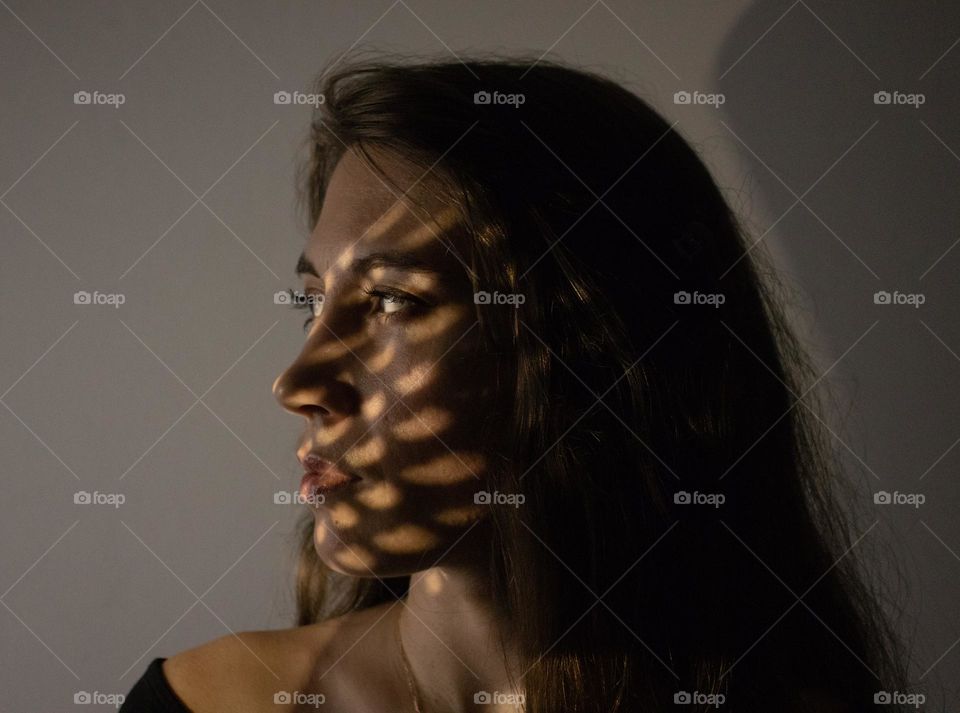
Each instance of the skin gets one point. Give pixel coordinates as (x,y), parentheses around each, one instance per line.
(391,389)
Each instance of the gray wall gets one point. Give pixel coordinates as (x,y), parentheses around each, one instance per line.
(181,200)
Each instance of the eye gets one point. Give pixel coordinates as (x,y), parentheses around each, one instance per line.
(389,302)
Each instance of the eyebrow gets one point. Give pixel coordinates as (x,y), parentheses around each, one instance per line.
(360,266)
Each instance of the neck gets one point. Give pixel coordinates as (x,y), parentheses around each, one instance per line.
(451,634)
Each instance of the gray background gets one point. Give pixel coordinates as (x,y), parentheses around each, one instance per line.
(182,200)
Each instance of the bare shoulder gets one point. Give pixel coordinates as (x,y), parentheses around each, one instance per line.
(281,669)
(237,671)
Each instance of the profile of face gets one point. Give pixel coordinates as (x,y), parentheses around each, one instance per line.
(392,381)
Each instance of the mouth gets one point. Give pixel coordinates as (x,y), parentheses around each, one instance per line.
(321,478)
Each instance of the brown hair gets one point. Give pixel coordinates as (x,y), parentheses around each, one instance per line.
(626,399)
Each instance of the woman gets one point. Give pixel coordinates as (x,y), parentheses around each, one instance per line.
(555,453)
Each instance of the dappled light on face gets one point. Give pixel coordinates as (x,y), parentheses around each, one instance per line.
(406,539)
(446,468)
(345,258)
(379,362)
(456,517)
(414,380)
(422,281)
(442,220)
(364,455)
(374,406)
(334,349)
(440,321)
(390,378)
(425,423)
(355,558)
(380,496)
(333,433)
(344,515)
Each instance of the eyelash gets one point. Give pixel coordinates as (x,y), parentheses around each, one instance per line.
(379,293)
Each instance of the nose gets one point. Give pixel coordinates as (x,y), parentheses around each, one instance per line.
(310,390)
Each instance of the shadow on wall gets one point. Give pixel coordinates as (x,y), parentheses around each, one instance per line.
(846,116)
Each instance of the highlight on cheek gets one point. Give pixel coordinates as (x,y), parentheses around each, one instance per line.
(343,516)
(333,434)
(425,423)
(416,379)
(440,321)
(364,455)
(406,539)
(381,360)
(446,468)
(457,517)
(380,496)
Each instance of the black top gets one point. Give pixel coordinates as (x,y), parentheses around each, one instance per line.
(152,693)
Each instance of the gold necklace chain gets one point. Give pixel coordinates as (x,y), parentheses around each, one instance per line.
(411,684)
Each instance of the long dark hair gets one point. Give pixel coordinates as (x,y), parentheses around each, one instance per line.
(680,534)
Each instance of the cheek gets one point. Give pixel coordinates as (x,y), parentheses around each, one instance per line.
(394,527)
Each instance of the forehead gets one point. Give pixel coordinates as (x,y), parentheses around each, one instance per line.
(365,212)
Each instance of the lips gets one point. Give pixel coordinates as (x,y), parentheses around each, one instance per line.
(322,477)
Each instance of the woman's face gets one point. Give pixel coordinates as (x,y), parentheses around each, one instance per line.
(391,380)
